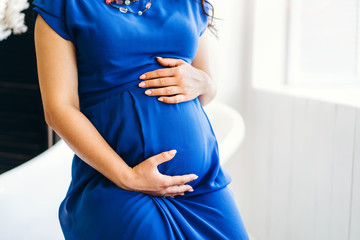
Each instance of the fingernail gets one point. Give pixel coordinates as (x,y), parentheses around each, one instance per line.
(141,84)
(147,92)
(196,177)
(142,76)
(172,152)
(161,99)
(159,57)
(191,190)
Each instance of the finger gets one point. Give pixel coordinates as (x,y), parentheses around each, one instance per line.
(172,100)
(170,62)
(163,91)
(159,82)
(163,157)
(162,72)
(178,189)
(181,180)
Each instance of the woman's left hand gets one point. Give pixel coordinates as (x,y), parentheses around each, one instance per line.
(180,82)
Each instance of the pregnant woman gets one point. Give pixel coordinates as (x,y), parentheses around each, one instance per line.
(123,83)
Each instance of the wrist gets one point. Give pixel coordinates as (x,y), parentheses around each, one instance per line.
(209,89)
(125,179)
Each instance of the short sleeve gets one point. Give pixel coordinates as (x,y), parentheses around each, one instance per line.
(53,12)
(205,18)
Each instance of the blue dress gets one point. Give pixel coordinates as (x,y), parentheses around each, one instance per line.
(113,49)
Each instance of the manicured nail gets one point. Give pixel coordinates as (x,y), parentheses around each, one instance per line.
(172,152)
(142,76)
(147,92)
(141,84)
(161,99)
(196,177)
(191,190)
(159,57)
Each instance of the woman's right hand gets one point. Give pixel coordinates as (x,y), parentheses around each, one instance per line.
(146,178)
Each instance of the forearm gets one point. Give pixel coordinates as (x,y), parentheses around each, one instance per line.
(210,90)
(85,140)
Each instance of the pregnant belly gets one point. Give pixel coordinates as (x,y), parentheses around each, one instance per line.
(138,127)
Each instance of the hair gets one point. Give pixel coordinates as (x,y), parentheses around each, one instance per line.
(211,24)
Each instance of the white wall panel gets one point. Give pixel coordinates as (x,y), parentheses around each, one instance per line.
(302,188)
(355,202)
(259,168)
(341,172)
(320,141)
(280,126)
(299,159)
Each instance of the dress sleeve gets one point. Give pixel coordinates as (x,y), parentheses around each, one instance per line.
(53,12)
(204,17)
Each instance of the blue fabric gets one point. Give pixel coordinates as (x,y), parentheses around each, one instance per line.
(113,49)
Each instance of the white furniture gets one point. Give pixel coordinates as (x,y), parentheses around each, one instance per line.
(31,193)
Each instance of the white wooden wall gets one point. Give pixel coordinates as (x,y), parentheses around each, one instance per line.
(297,175)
